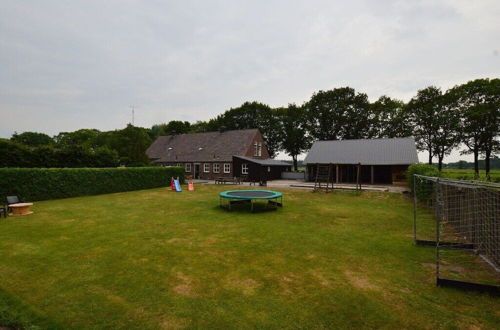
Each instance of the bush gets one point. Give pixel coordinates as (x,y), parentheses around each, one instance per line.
(420,169)
(423,190)
(34,184)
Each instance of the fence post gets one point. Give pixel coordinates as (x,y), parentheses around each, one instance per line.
(438,234)
(414,209)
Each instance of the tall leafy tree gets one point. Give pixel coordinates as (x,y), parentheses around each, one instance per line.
(14,154)
(424,108)
(479,104)
(131,143)
(87,138)
(447,134)
(251,115)
(32,139)
(390,118)
(199,126)
(173,127)
(340,113)
(295,139)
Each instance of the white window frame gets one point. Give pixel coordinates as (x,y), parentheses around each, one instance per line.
(244,168)
(255,149)
(206,168)
(259,149)
(227,168)
(216,168)
(187,167)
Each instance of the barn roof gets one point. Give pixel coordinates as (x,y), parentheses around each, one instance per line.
(209,146)
(393,151)
(265,162)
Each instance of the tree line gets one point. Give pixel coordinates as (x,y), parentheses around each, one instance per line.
(441,121)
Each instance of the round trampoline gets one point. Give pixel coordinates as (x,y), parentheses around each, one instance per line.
(250,196)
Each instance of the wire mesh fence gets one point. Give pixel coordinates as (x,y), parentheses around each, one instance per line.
(462,220)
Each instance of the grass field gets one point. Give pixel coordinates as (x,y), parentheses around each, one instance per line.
(157,259)
(468,174)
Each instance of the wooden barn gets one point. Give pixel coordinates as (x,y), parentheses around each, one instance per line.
(258,170)
(373,161)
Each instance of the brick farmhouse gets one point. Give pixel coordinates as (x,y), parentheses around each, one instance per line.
(208,155)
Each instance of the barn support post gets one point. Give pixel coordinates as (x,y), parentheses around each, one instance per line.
(358,181)
(372,174)
(337,173)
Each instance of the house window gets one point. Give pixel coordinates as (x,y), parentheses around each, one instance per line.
(216,168)
(269,168)
(179,164)
(244,168)
(227,168)
(188,167)
(259,149)
(206,168)
(255,149)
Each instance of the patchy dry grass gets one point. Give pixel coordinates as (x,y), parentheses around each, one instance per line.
(155,259)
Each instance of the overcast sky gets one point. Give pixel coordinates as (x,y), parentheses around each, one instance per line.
(66,65)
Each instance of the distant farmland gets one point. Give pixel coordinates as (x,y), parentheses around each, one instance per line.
(468,174)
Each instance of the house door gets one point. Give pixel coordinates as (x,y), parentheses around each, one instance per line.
(196,171)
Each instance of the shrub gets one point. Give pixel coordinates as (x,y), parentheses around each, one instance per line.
(423,189)
(421,169)
(34,184)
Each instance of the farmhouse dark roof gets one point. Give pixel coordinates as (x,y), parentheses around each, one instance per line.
(209,146)
(265,162)
(395,151)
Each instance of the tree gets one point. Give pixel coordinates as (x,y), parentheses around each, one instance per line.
(199,127)
(105,157)
(14,154)
(390,118)
(479,104)
(340,113)
(294,138)
(173,127)
(424,108)
(251,115)
(32,139)
(45,156)
(447,136)
(87,138)
(131,143)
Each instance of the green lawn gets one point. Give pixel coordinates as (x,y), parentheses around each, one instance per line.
(158,259)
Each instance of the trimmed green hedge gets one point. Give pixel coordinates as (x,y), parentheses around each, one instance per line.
(35,184)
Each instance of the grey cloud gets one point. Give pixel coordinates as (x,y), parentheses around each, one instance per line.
(68,65)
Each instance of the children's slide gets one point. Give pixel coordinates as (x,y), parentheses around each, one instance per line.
(177,185)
